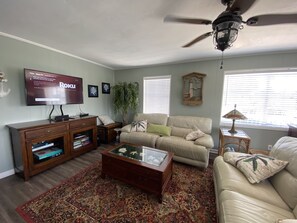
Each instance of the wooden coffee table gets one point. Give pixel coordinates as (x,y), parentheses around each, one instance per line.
(146,168)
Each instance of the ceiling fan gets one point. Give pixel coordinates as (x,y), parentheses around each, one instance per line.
(226,26)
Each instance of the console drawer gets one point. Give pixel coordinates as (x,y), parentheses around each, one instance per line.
(82,123)
(46,131)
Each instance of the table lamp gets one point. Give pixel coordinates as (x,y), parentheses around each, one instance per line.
(234,115)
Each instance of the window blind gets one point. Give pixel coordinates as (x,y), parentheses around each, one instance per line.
(156,94)
(267,99)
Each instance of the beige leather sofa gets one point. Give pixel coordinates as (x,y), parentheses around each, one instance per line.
(267,201)
(195,153)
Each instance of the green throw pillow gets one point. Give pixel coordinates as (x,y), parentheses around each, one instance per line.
(161,130)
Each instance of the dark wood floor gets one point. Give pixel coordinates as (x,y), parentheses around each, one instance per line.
(14,191)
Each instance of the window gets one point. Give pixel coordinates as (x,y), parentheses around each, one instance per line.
(267,98)
(156,94)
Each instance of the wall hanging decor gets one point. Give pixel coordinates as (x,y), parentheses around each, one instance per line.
(193,88)
(93,91)
(3,93)
(105,88)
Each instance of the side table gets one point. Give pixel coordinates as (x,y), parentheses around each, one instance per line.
(107,133)
(239,141)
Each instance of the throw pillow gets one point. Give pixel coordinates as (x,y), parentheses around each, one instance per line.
(180,132)
(195,135)
(139,126)
(105,119)
(161,130)
(255,167)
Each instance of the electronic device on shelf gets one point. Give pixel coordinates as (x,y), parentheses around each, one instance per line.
(42,145)
(61,118)
(83,114)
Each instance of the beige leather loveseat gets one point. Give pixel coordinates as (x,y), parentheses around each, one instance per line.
(268,201)
(195,153)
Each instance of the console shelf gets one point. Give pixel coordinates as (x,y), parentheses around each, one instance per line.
(40,145)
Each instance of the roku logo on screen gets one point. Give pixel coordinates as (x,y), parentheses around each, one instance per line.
(65,85)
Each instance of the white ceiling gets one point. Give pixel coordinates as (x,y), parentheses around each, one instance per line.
(122,34)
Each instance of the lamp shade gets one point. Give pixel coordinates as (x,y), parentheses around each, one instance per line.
(235,114)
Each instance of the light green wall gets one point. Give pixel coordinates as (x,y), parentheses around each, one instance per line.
(14,57)
(212,89)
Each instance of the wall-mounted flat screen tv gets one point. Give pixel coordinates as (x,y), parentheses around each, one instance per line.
(45,88)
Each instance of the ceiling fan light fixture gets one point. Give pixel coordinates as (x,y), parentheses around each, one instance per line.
(225,34)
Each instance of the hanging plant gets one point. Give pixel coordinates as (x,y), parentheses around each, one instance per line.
(125,98)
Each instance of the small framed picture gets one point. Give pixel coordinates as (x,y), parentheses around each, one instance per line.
(93,91)
(105,88)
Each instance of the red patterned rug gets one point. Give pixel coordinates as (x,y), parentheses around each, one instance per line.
(86,197)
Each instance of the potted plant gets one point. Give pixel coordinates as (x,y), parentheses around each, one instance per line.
(125,98)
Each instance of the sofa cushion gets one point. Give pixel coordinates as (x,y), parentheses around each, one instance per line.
(230,178)
(205,140)
(285,149)
(191,122)
(161,130)
(181,132)
(183,148)
(160,119)
(236,207)
(288,190)
(139,138)
(286,221)
(255,167)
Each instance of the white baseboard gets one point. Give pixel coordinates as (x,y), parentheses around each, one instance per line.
(6,173)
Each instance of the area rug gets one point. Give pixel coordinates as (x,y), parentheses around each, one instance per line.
(86,197)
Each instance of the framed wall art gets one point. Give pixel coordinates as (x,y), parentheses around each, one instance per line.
(93,91)
(192,89)
(105,88)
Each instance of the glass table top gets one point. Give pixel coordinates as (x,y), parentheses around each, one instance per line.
(141,153)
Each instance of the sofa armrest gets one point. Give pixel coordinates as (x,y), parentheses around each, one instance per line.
(205,140)
(126,128)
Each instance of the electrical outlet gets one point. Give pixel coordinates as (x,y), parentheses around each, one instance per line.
(269,147)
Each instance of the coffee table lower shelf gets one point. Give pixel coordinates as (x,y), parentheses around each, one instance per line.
(153,179)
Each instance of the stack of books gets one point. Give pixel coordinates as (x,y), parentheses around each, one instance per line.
(80,140)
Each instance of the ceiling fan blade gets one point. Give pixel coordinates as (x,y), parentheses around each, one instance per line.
(199,38)
(272,19)
(241,5)
(170,18)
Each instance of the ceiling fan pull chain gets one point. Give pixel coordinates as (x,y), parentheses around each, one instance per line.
(222,60)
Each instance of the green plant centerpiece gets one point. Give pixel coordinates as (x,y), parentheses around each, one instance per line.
(125,98)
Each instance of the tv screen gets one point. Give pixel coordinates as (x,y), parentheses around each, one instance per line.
(45,88)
